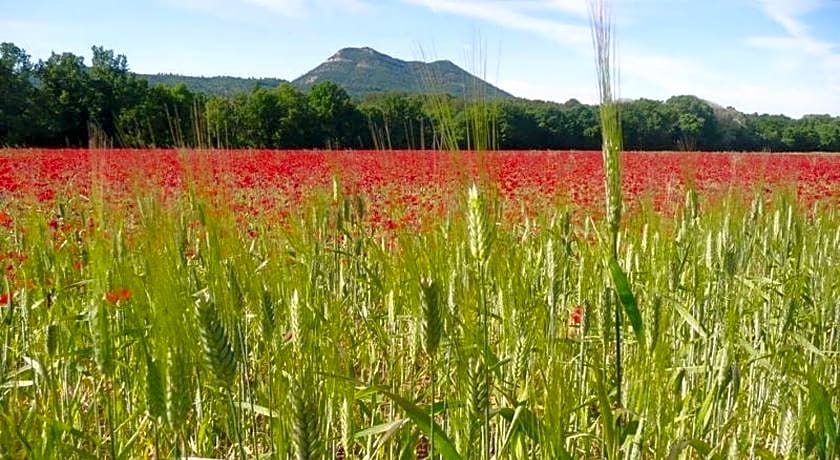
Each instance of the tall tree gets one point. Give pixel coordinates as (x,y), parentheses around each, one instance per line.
(646,125)
(338,123)
(693,122)
(16,92)
(63,100)
(112,90)
(296,118)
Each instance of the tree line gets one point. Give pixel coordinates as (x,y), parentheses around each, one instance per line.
(62,102)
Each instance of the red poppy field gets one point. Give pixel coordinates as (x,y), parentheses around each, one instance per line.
(414,182)
(374,304)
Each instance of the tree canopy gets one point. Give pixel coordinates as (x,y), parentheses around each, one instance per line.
(61,102)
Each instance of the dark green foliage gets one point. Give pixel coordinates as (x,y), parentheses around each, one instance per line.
(338,122)
(359,98)
(16,93)
(213,86)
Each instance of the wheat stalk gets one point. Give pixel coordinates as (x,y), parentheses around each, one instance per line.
(611,139)
(432,324)
(479,230)
(305,422)
(155,392)
(100,329)
(216,348)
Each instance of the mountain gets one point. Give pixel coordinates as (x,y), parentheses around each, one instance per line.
(362,71)
(217,86)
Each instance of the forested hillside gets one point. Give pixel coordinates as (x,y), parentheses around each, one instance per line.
(214,86)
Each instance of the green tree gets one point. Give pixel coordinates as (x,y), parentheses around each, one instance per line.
(16,92)
(338,123)
(827,130)
(519,127)
(646,125)
(799,137)
(224,126)
(112,90)
(769,130)
(397,120)
(296,118)
(693,122)
(262,115)
(583,128)
(62,97)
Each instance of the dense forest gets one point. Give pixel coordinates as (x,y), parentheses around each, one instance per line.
(62,102)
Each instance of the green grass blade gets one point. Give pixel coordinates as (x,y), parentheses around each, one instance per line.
(442,444)
(628,300)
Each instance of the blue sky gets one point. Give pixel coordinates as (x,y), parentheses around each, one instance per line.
(775,56)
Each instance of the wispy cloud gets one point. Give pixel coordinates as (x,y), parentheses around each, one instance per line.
(287,8)
(283,7)
(797,37)
(574,7)
(651,71)
(537,17)
(798,50)
(787,13)
(517,16)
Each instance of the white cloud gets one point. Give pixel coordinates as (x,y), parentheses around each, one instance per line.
(654,74)
(800,53)
(787,12)
(298,8)
(287,8)
(514,15)
(282,7)
(577,8)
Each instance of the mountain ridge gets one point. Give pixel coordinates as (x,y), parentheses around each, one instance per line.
(360,71)
(364,70)
(216,85)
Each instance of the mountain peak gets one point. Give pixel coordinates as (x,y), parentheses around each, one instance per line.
(364,70)
(353,54)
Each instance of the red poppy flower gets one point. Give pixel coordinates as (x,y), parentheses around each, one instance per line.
(576,316)
(4,298)
(118,295)
(46,195)
(5,219)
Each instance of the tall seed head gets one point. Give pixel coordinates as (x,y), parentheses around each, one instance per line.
(346,425)
(692,205)
(179,388)
(268,314)
(52,338)
(215,344)
(610,117)
(294,318)
(479,397)
(432,323)
(478,229)
(305,421)
(155,393)
(100,328)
